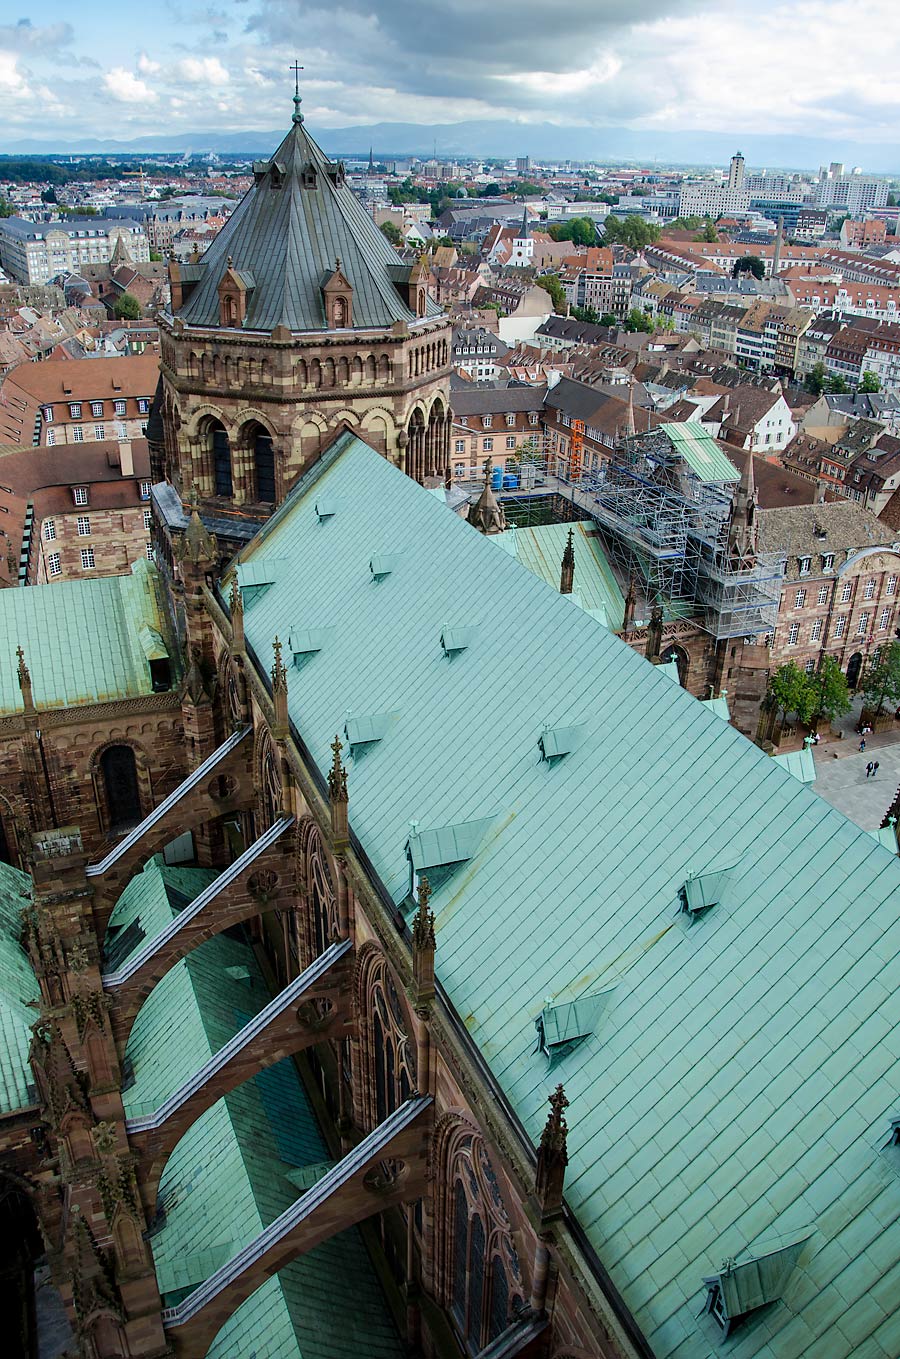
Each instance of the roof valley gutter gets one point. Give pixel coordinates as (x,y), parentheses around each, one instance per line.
(463,1037)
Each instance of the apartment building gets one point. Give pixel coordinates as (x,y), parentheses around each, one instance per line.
(77,401)
(36,252)
(75,512)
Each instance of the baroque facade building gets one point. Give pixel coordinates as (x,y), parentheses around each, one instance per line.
(300,320)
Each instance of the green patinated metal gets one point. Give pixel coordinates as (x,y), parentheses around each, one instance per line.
(19,993)
(244,1160)
(728,1037)
(701,452)
(541,547)
(85,641)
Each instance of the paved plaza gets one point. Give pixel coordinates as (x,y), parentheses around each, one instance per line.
(842,781)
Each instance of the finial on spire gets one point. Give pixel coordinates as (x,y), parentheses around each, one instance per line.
(423,924)
(279,673)
(556,1129)
(298,116)
(567,568)
(22,668)
(337,775)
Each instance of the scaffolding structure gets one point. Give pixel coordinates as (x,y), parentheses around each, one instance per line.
(665,530)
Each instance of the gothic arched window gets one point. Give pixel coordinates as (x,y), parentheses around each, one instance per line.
(388,1055)
(321,923)
(268,780)
(477,1268)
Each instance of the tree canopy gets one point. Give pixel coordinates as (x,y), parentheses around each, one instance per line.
(392,232)
(551,284)
(632,231)
(638,320)
(749,264)
(881,680)
(870,382)
(823,694)
(578,230)
(815,379)
(127,308)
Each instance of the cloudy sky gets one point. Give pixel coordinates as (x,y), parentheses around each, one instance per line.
(827,68)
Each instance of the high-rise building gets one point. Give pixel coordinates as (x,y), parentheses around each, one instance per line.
(736,172)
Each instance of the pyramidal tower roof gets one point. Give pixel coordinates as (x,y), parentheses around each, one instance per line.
(283,239)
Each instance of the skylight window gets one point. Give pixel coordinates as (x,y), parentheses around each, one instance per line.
(326,507)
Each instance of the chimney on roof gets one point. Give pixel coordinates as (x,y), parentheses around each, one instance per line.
(126,458)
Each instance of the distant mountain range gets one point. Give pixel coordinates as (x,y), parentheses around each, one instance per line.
(543,141)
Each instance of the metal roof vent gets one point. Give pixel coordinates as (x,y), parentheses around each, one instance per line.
(383,563)
(365,730)
(305,642)
(742,1286)
(561,1027)
(554,742)
(326,507)
(701,891)
(894,1135)
(438,851)
(255,577)
(454,640)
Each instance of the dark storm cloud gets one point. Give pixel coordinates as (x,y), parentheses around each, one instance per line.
(460,51)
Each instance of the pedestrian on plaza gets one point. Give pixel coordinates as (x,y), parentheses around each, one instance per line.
(868,769)
(862,745)
(874,769)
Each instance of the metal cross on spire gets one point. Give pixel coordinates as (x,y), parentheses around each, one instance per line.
(297,68)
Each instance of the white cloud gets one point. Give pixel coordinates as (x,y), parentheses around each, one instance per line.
(11,79)
(127,87)
(202,71)
(147,66)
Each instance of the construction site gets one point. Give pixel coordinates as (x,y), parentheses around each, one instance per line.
(674,520)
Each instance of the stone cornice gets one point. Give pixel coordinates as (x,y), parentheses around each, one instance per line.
(15,724)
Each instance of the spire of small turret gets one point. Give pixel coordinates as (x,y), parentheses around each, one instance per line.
(629,423)
(486,515)
(567,571)
(298,116)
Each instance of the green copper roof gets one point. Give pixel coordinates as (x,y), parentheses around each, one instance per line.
(85,641)
(287,232)
(701,452)
(229,1176)
(18,992)
(747,1068)
(541,548)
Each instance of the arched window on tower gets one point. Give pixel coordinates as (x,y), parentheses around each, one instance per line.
(120,785)
(221,456)
(264,467)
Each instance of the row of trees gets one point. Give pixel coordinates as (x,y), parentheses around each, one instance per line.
(632,231)
(818,381)
(824,695)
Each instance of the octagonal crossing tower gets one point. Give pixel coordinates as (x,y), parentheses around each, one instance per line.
(300,320)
